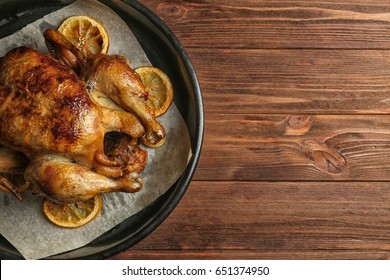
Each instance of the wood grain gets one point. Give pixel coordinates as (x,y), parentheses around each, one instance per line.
(253,24)
(267,220)
(294,81)
(293,147)
(296,154)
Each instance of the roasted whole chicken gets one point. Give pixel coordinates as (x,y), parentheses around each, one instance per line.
(68,146)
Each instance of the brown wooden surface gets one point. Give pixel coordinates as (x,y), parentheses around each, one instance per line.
(296,155)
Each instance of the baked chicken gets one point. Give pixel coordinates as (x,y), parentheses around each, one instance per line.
(47,116)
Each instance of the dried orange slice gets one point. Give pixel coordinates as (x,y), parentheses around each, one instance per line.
(86,33)
(72,215)
(159,87)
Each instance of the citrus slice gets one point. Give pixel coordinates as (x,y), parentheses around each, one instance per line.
(72,215)
(86,33)
(159,87)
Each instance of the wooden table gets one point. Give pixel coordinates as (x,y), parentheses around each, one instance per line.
(296,155)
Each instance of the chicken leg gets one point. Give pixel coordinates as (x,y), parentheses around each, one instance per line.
(65,182)
(111,75)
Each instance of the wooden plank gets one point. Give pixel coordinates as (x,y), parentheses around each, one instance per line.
(271,220)
(294,81)
(277,24)
(289,147)
(225,254)
(211,254)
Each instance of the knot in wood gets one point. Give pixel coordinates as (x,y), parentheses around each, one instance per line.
(298,125)
(325,157)
(172,10)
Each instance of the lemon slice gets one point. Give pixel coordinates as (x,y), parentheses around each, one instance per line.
(86,33)
(159,87)
(72,215)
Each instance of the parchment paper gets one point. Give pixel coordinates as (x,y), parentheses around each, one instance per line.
(23,224)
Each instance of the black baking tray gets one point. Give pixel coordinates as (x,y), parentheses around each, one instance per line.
(164,51)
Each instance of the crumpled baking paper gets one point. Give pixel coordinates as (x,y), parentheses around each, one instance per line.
(22,223)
